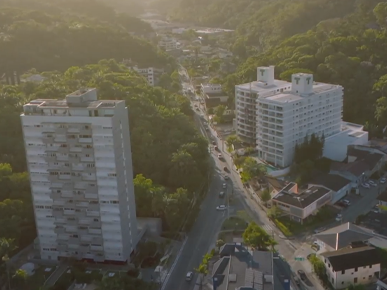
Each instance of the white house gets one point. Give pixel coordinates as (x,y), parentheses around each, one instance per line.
(299,205)
(352,265)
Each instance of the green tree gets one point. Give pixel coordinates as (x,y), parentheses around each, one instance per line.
(265,195)
(232,140)
(254,236)
(251,168)
(219,243)
(219,113)
(20,277)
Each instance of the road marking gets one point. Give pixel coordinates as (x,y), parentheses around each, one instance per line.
(165,282)
(268,229)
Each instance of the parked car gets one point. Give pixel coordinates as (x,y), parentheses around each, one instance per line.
(339,217)
(221,194)
(383,180)
(365,185)
(213,143)
(189,276)
(372,183)
(226,177)
(220,156)
(319,230)
(301,274)
(221,207)
(297,280)
(216,148)
(342,204)
(225,169)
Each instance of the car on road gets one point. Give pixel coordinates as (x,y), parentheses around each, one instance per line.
(302,275)
(189,276)
(297,281)
(221,207)
(342,204)
(226,177)
(372,183)
(225,169)
(346,201)
(319,230)
(383,180)
(213,143)
(365,185)
(216,148)
(339,217)
(221,194)
(220,156)
(375,210)
(224,185)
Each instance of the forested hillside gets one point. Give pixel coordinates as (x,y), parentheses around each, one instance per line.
(60,34)
(349,51)
(261,23)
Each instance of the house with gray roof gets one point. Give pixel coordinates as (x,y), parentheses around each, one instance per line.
(243,269)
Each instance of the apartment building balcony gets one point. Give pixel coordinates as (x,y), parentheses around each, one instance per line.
(77,168)
(52,149)
(99,257)
(96,248)
(86,238)
(49,158)
(48,140)
(72,230)
(73,246)
(72,141)
(70,212)
(61,247)
(62,158)
(91,195)
(58,213)
(63,150)
(60,131)
(74,130)
(88,151)
(76,178)
(83,204)
(82,231)
(59,230)
(73,159)
(72,222)
(95,231)
(84,247)
(84,222)
(85,140)
(73,240)
(93,207)
(92,213)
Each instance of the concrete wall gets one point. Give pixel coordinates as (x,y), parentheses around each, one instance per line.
(154,225)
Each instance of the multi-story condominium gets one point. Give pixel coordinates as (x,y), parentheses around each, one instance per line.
(79,160)
(151,74)
(168,43)
(276,115)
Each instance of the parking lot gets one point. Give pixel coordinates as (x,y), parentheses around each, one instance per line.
(376,221)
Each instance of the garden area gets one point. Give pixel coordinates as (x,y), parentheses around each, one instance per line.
(234,226)
(290,228)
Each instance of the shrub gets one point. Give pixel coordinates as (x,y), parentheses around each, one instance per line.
(282,228)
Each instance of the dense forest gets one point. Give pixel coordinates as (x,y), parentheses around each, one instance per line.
(260,24)
(60,34)
(348,51)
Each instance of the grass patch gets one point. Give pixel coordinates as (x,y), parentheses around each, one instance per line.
(234,223)
(35,281)
(244,215)
(283,228)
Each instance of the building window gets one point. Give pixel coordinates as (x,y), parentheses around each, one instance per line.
(369,277)
(343,272)
(355,269)
(355,280)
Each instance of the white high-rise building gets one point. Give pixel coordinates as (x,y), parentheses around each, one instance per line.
(276,115)
(80,164)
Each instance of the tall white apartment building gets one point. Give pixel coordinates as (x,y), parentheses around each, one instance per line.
(151,74)
(80,164)
(276,115)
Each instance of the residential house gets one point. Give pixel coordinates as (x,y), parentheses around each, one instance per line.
(357,172)
(339,185)
(241,268)
(213,95)
(300,204)
(355,264)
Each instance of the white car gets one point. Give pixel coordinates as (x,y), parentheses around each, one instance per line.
(221,207)
(346,201)
(372,183)
(365,185)
(226,177)
(383,180)
(339,217)
(189,276)
(220,156)
(224,185)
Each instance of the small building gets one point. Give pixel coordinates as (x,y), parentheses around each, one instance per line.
(299,205)
(168,43)
(357,172)
(336,146)
(355,264)
(339,185)
(241,268)
(151,74)
(213,95)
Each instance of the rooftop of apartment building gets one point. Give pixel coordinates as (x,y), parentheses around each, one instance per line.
(356,255)
(301,199)
(82,98)
(280,91)
(240,268)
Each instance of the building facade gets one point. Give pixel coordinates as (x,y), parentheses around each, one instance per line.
(151,74)
(80,164)
(276,115)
